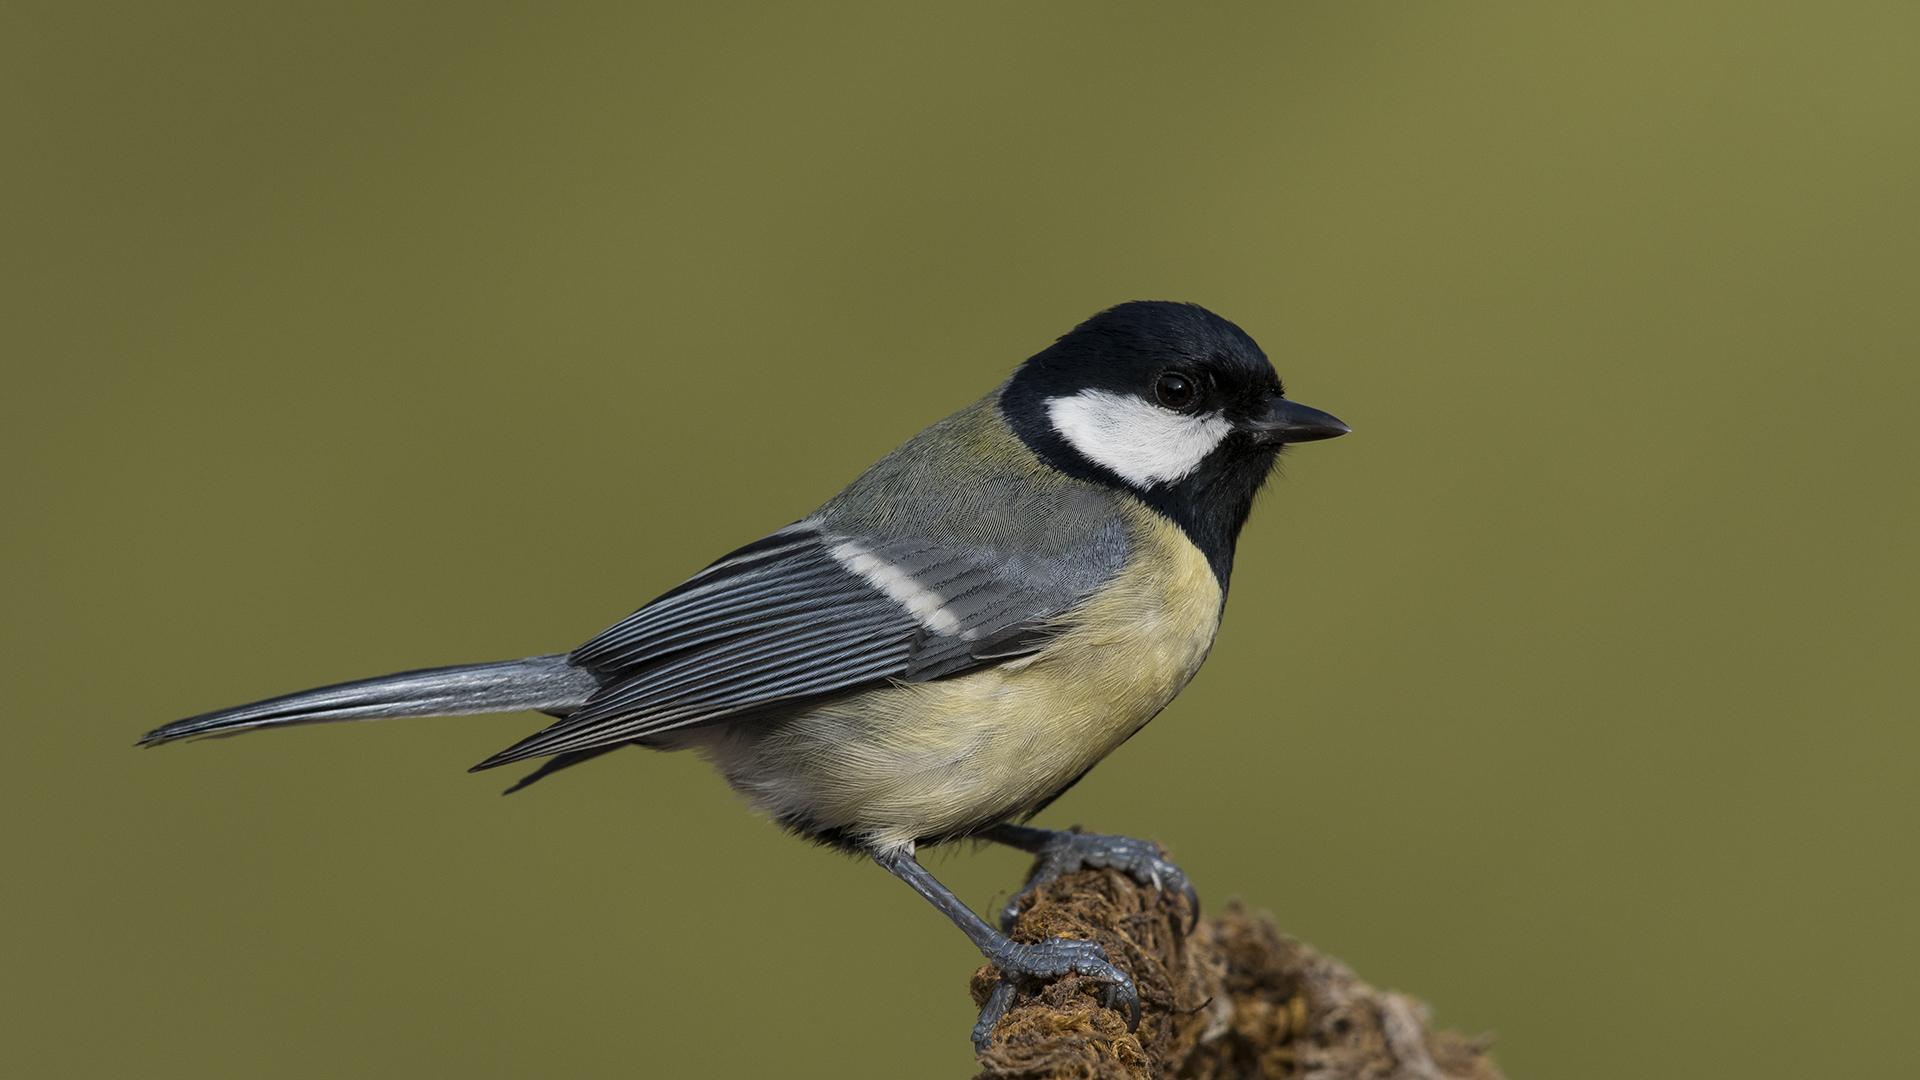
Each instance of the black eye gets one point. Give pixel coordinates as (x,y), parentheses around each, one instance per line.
(1174,390)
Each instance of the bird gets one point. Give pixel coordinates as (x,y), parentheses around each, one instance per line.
(948,644)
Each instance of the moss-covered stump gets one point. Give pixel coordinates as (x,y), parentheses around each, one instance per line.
(1235,999)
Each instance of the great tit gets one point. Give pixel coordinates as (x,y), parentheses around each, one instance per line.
(949,643)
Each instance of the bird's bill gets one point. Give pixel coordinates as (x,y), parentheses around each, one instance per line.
(1291,422)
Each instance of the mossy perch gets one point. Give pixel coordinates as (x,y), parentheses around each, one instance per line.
(1235,999)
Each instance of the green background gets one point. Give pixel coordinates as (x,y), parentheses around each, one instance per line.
(1575,692)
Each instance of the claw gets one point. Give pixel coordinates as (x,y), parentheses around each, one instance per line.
(1133,1003)
(1062,853)
(1043,960)
(1193,903)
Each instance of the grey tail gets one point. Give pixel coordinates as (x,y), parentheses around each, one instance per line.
(546,683)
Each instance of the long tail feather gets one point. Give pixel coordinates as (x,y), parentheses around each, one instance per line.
(546,683)
(560,761)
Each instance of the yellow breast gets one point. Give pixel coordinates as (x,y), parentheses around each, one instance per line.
(928,760)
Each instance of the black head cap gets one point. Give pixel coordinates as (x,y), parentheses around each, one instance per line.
(1170,402)
(1124,349)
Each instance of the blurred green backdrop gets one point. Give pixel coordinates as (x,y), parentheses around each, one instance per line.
(1575,693)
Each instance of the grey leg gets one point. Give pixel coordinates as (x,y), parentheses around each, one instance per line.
(1062,853)
(1018,963)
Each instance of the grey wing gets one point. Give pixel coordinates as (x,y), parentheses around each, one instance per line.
(800,614)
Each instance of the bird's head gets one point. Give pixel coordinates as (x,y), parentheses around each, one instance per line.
(1150,393)
(1168,401)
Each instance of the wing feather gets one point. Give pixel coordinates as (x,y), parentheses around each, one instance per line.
(784,619)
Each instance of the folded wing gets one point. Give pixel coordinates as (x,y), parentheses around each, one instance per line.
(799,615)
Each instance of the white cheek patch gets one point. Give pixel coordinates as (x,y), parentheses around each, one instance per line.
(1142,443)
(927,607)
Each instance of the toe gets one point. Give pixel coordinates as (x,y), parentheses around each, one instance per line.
(996,1007)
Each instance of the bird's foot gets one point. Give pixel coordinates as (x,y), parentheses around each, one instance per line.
(1062,853)
(1043,961)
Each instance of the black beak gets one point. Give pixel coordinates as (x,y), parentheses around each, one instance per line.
(1290,422)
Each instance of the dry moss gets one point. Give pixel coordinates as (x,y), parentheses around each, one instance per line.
(1235,1000)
